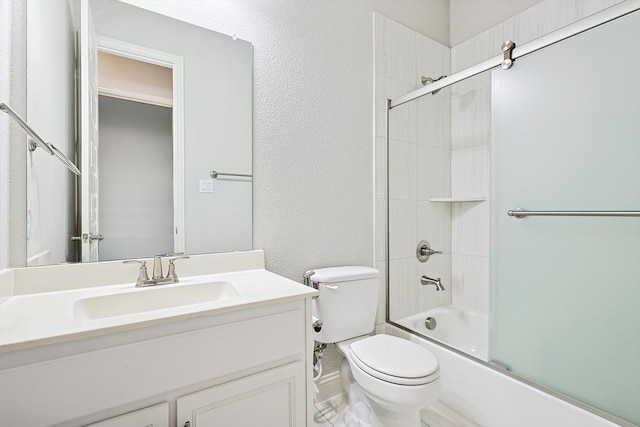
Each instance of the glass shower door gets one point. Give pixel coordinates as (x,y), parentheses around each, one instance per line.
(566,289)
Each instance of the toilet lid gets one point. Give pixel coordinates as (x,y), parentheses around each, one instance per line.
(395,360)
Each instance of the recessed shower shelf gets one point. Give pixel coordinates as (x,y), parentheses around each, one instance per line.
(457,199)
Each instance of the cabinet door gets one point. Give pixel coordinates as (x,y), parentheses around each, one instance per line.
(153,416)
(271,398)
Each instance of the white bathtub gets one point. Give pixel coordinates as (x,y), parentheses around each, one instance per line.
(475,395)
(463,329)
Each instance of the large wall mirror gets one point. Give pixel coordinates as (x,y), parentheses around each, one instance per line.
(157,113)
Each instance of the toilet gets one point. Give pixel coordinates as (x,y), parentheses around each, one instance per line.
(387,379)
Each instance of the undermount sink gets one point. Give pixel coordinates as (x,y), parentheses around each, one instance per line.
(141,300)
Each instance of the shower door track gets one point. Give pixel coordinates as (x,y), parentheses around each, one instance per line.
(607,15)
(600,18)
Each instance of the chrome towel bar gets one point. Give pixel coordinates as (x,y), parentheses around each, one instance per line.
(215,174)
(68,163)
(520,213)
(32,134)
(35,140)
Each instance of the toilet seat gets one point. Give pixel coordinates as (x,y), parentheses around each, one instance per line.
(395,360)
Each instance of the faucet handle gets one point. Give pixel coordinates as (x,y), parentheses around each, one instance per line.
(171,272)
(143,277)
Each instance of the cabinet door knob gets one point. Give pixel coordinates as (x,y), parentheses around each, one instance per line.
(187,424)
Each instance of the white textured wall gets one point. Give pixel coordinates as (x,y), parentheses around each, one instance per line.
(313,117)
(13,246)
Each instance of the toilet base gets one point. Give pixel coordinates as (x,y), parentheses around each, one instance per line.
(384,418)
(362,411)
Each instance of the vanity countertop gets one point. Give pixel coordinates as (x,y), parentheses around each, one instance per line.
(40,318)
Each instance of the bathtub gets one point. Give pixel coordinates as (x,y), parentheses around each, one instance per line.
(463,329)
(475,394)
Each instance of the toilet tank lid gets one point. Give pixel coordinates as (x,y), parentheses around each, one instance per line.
(343,274)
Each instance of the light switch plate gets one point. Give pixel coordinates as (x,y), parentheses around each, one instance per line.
(206,186)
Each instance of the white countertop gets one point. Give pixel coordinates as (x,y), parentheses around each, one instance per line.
(42,318)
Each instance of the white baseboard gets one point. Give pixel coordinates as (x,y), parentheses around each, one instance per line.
(329,386)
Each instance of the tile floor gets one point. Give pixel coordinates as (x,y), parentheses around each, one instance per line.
(329,413)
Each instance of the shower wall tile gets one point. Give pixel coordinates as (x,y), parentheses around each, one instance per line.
(434,225)
(486,45)
(380,221)
(403,165)
(589,7)
(404,117)
(433,177)
(470,228)
(433,117)
(395,54)
(556,14)
(525,26)
(470,171)
(472,84)
(438,266)
(419,162)
(433,58)
(403,124)
(402,224)
(470,282)
(403,274)
(471,119)
(380,168)
(382,292)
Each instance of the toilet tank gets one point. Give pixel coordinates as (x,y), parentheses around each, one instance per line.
(347,303)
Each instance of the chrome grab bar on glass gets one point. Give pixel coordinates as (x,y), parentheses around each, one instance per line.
(520,213)
(215,174)
(36,141)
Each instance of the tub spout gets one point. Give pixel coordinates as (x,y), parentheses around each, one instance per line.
(429,281)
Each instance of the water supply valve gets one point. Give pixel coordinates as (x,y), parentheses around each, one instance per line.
(316,323)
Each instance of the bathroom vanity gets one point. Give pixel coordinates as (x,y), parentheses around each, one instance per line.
(230,344)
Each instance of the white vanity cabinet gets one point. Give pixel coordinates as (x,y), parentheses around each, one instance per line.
(269,398)
(248,367)
(155,416)
(108,354)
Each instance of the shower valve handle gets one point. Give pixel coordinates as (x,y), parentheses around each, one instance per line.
(424,251)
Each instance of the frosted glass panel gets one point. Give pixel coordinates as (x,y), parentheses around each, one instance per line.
(566,290)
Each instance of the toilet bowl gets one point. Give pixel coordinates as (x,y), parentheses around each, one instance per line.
(397,377)
(387,379)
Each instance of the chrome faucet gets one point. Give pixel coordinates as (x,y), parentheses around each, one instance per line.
(157,278)
(429,281)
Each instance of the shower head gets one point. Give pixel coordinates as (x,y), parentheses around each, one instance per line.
(429,80)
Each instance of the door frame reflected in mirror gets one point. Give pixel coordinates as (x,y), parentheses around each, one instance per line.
(176,64)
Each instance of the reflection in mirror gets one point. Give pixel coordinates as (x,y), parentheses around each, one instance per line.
(156,139)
